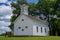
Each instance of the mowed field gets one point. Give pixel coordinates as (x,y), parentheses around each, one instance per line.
(30,38)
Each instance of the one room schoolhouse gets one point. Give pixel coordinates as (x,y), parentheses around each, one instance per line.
(27,25)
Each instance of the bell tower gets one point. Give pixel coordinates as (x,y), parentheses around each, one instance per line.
(24,9)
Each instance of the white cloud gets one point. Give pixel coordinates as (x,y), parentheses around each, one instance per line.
(5,10)
(3,23)
(6,29)
(9,2)
(1,31)
(6,17)
(3,1)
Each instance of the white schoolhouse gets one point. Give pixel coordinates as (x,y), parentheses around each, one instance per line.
(26,25)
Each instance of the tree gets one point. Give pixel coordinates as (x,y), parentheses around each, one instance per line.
(57,10)
(49,6)
(32,9)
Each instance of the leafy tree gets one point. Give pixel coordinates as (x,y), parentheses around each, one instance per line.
(50,8)
(32,9)
(57,10)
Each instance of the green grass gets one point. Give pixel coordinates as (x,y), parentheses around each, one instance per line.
(30,38)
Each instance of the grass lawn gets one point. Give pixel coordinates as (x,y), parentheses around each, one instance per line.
(30,38)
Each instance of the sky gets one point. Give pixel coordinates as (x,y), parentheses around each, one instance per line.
(33,1)
(6,13)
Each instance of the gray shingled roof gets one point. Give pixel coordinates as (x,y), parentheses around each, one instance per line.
(37,19)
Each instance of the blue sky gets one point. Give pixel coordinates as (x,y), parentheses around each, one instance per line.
(6,13)
(33,1)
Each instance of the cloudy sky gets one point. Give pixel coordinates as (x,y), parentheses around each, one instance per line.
(6,13)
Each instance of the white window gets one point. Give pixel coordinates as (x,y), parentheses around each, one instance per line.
(41,29)
(45,30)
(37,28)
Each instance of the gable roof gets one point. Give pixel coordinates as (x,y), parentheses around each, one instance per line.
(35,18)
